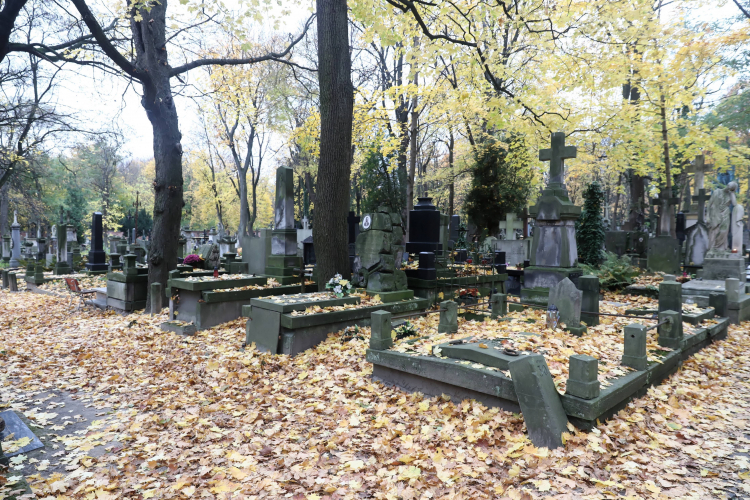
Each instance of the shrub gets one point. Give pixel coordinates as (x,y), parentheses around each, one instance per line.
(614,273)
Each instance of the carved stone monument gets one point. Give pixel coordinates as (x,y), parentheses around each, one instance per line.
(724,214)
(15,242)
(698,239)
(554,253)
(283,261)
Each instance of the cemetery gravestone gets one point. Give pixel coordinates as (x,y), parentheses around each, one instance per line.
(15,246)
(568,300)
(510,225)
(255,251)
(720,262)
(697,235)
(6,248)
(554,254)
(97,263)
(283,261)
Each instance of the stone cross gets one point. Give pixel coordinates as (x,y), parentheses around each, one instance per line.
(664,220)
(702,198)
(699,168)
(556,157)
(510,225)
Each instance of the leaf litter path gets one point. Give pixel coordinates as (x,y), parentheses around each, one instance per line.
(198,418)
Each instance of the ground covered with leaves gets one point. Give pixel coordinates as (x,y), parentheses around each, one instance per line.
(201,418)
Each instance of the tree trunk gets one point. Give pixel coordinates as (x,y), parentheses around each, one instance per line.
(412,157)
(336,116)
(452,185)
(4,203)
(244,205)
(667,216)
(151,56)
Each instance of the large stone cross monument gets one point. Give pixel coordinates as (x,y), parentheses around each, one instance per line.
(554,253)
(698,238)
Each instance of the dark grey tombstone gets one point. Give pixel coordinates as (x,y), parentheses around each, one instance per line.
(4,273)
(499,305)
(670,296)
(380,338)
(540,403)
(424,228)
(583,377)
(12,282)
(97,255)
(634,350)
(718,301)
(589,286)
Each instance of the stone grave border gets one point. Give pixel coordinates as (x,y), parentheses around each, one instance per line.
(274,329)
(434,376)
(202,305)
(430,289)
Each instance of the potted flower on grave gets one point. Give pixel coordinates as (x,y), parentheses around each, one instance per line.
(340,287)
(193,260)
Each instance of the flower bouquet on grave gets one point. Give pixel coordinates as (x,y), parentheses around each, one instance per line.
(193,260)
(340,287)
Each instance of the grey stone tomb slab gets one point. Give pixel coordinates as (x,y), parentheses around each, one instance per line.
(540,403)
(15,426)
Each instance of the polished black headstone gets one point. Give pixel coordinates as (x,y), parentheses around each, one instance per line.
(424,228)
(97,256)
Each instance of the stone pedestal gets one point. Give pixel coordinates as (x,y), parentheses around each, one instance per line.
(723,268)
(15,250)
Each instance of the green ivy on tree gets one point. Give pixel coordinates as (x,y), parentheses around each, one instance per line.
(590,226)
(501,181)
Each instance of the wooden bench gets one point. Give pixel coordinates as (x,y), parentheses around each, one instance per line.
(75,289)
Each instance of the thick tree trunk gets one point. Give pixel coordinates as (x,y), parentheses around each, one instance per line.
(667,217)
(151,56)
(336,116)
(245,223)
(412,157)
(452,185)
(8,16)
(4,203)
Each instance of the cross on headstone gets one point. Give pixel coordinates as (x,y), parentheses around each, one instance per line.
(699,168)
(510,225)
(702,198)
(556,157)
(664,203)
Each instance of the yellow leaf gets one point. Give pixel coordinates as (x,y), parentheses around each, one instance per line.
(302,376)
(188,491)
(149,493)
(237,473)
(424,406)
(355,465)
(407,459)
(543,485)
(411,472)
(745,475)
(441,296)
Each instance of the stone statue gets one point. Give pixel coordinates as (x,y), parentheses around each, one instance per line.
(54,232)
(720,217)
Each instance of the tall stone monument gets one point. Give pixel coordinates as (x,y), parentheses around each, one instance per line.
(6,247)
(283,260)
(97,263)
(698,237)
(15,242)
(724,215)
(554,253)
(62,266)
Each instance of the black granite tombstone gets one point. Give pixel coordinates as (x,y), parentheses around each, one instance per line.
(424,228)
(500,264)
(308,251)
(97,256)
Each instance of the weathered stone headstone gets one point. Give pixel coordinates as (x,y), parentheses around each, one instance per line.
(670,296)
(448,322)
(499,305)
(583,377)
(718,301)
(283,261)
(97,256)
(589,286)
(568,300)
(554,253)
(255,251)
(379,249)
(210,255)
(540,403)
(697,235)
(15,245)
